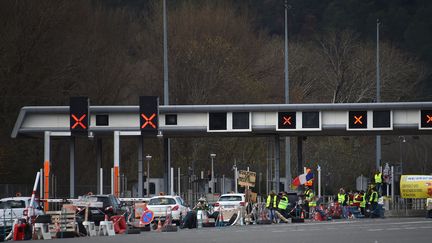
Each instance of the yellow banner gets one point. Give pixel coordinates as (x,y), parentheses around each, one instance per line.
(416,186)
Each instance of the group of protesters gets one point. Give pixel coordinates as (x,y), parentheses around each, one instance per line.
(347,204)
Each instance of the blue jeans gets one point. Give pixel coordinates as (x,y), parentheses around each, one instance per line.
(271,214)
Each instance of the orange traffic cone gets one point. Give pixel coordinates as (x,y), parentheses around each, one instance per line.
(302,215)
(159,226)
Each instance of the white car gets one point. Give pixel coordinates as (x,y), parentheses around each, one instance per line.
(12,208)
(230,201)
(161,205)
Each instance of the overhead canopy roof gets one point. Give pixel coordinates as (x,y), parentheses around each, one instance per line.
(193,120)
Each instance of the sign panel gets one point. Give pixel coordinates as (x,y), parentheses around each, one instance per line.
(79,115)
(217,121)
(240,120)
(416,186)
(381,119)
(149,115)
(357,119)
(311,119)
(426,119)
(287,120)
(246,178)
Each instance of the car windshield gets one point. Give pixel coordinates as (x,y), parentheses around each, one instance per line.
(162,201)
(12,204)
(230,198)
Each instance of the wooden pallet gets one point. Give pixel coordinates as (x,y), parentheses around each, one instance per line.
(62,221)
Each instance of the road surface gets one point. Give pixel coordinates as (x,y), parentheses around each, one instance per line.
(337,231)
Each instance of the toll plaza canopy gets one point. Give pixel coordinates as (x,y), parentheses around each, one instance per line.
(342,119)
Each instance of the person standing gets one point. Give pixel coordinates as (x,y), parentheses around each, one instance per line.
(271,205)
(373,203)
(378,179)
(342,200)
(309,195)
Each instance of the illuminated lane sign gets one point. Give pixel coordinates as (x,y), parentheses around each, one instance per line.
(287,120)
(78,115)
(426,119)
(357,119)
(149,112)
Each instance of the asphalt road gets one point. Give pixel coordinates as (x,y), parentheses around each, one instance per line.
(337,231)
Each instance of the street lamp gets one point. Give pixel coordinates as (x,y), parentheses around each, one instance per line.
(148,158)
(401,140)
(212,156)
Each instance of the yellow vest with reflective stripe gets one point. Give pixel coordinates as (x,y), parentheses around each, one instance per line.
(378,178)
(372,198)
(269,201)
(341,198)
(283,203)
(363,202)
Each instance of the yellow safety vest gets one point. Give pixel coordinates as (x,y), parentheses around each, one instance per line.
(283,203)
(309,195)
(378,178)
(269,201)
(341,198)
(373,198)
(312,204)
(363,202)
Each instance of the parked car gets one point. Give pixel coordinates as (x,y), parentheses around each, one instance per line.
(12,208)
(18,207)
(160,206)
(111,204)
(230,201)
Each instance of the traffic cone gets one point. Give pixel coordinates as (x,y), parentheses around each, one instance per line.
(159,226)
(302,215)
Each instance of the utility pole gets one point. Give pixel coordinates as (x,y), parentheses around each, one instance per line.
(288,178)
(378,96)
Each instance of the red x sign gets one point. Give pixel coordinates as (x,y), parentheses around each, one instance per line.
(287,120)
(78,121)
(148,120)
(358,119)
(429,119)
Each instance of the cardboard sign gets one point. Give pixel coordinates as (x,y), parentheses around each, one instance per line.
(246,178)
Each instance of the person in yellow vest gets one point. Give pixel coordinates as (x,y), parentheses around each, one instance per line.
(378,179)
(343,200)
(373,202)
(312,205)
(283,205)
(309,195)
(271,205)
(362,197)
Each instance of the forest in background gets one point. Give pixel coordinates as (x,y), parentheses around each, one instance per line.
(220,52)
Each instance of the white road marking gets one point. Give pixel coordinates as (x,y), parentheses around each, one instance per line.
(375,229)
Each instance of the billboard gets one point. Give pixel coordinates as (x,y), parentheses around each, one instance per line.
(416,186)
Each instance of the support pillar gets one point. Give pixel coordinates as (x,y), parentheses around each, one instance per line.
(300,155)
(116,181)
(277,163)
(288,177)
(47,167)
(99,165)
(72,167)
(140,166)
(167,159)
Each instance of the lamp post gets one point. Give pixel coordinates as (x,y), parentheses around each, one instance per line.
(212,156)
(148,158)
(401,140)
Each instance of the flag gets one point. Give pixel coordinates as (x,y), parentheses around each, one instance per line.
(302,179)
